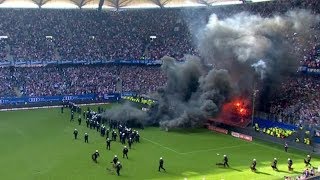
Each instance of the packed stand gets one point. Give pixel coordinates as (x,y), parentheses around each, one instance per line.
(78,80)
(78,35)
(298,101)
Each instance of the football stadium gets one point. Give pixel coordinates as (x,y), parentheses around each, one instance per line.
(160,89)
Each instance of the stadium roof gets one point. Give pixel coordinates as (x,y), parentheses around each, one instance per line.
(93,4)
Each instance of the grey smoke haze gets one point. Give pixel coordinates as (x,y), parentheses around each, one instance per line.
(240,48)
(125,113)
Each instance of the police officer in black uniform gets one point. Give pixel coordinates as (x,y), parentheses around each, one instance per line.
(161,162)
(290,163)
(115,160)
(274,164)
(308,160)
(108,143)
(79,119)
(75,133)
(118,167)
(95,156)
(125,152)
(86,138)
(253,165)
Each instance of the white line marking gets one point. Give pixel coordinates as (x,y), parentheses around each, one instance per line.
(161,145)
(214,149)
(185,153)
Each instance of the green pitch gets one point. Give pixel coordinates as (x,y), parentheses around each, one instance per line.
(39,145)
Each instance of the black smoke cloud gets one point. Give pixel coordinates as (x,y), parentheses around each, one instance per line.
(243,49)
(126,114)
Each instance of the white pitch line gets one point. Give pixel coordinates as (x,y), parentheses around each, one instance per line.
(161,145)
(214,149)
(204,150)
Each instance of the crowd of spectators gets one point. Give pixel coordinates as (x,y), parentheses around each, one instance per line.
(86,35)
(77,80)
(298,101)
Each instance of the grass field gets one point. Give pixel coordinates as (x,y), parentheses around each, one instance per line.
(39,145)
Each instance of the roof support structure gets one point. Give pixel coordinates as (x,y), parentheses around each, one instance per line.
(117,4)
(81,3)
(206,2)
(160,3)
(40,3)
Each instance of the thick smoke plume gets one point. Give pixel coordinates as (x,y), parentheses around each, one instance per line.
(126,114)
(244,50)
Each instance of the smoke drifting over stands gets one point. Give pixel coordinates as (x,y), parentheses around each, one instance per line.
(244,50)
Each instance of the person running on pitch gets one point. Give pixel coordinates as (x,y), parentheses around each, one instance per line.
(253,165)
(274,164)
(95,156)
(118,167)
(161,162)
(308,160)
(290,163)
(225,161)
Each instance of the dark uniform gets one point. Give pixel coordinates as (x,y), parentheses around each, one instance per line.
(72,116)
(75,133)
(308,160)
(225,161)
(87,122)
(161,162)
(95,156)
(274,164)
(86,138)
(108,143)
(62,109)
(130,143)
(290,163)
(253,165)
(79,120)
(286,147)
(137,137)
(115,160)
(118,167)
(107,133)
(125,152)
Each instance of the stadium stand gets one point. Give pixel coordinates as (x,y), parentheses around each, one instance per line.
(60,35)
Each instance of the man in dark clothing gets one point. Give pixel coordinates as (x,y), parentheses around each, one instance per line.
(72,116)
(86,138)
(130,142)
(87,122)
(253,165)
(286,147)
(98,126)
(137,137)
(62,109)
(290,163)
(225,162)
(79,119)
(274,164)
(115,160)
(118,167)
(107,133)
(308,160)
(108,143)
(95,156)
(75,133)
(161,162)
(114,136)
(125,152)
